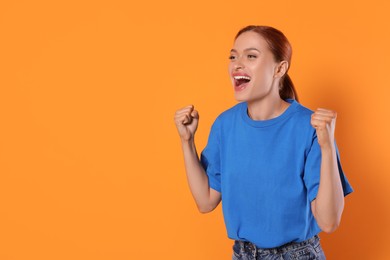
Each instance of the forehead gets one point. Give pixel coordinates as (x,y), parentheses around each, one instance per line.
(250,40)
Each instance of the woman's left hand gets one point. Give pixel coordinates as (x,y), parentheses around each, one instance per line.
(324,121)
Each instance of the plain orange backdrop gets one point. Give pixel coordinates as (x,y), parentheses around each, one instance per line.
(90,161)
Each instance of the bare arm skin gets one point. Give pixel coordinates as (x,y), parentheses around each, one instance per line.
(328,207)
(207,199)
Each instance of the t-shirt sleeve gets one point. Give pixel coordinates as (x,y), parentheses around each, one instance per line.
(210,158)
(312,171)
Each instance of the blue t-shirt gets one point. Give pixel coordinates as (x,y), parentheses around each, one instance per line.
(268,173)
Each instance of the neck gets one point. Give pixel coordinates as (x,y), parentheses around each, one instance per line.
(266,109)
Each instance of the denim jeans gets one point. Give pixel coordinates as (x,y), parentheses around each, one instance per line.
(306,250)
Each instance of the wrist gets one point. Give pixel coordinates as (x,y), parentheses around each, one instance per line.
(188,146)
(328,148)
(187,142)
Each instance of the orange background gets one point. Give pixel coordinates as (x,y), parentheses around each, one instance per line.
(90,160)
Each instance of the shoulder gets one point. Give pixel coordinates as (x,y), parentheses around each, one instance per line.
(230,113)
(300,120)
(228,117)
(302,113)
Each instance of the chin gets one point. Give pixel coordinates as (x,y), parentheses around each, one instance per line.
(240,98)
(243,95)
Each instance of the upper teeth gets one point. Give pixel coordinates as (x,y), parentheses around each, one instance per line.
(242,77)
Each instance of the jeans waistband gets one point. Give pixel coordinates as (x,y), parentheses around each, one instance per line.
(281,249)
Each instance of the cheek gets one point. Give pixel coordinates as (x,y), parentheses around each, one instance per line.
(263,73)
(230,71)
(230,68)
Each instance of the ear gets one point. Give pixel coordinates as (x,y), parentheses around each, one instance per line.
(281,69)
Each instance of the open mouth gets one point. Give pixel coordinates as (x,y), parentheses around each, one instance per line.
(240,82)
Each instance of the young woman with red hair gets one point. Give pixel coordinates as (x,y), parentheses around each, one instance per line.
(272,162)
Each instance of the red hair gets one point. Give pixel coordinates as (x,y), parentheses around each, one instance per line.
(282,51)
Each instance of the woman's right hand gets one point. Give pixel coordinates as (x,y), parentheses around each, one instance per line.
(186,120)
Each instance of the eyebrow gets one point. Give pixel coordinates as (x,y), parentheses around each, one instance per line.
(247,49)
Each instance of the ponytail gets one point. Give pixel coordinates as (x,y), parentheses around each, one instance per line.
(287,89)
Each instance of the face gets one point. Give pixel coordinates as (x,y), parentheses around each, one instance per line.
(252,68)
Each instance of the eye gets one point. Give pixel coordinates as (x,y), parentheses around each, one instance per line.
(232,57)
(251,56)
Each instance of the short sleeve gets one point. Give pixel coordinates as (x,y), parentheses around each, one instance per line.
(312,171)
(210,157)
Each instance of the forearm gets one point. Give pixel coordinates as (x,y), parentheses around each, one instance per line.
(197,178)
(329,203)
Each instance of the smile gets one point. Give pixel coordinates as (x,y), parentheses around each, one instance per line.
(240,82)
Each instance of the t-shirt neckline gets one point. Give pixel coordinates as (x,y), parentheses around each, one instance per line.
(264,123)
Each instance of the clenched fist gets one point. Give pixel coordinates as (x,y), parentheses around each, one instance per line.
(186,120)
(324,121)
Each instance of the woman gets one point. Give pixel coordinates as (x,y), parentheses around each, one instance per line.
(274,161)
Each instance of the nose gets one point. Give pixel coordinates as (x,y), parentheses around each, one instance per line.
(238,64)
